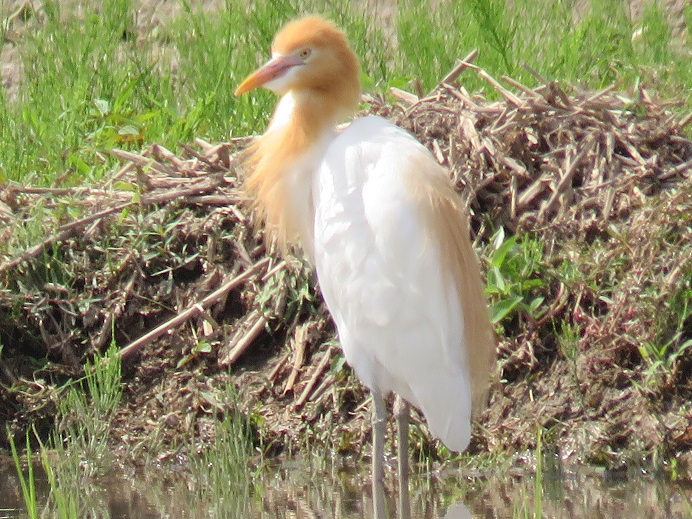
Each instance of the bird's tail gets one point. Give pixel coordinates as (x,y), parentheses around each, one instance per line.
(447,409)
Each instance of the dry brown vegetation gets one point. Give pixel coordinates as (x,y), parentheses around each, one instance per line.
(163,259)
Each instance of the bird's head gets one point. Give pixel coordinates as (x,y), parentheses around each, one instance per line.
(309,55)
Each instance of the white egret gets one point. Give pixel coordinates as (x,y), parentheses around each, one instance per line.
(385,229)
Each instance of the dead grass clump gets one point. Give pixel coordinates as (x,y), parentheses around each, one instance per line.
(162,259)
(558,161)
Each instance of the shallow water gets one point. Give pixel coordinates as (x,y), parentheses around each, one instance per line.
(290,490)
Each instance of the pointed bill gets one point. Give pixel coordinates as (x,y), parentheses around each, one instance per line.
(272,69)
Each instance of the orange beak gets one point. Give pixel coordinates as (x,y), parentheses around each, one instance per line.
(272,69)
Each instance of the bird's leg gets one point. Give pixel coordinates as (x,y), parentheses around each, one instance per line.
(401,412)
(379,422)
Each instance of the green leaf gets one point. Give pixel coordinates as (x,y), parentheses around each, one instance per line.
(338,363)
(128,130)
(499,280)
(203,347)
(103,106)
(500,254)
(502,308)
(535,304)
(498,238)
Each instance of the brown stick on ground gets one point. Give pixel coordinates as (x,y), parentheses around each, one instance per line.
(192,310)
(315,375)
(300,341)
(458,68)
(260,322)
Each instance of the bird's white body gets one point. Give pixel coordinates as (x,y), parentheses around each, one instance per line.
(399,319)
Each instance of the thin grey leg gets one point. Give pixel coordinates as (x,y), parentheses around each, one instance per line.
(379,422)
(402,420)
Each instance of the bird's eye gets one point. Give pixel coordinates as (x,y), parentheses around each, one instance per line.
(305,53)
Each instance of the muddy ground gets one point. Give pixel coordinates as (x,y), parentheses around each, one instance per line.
(601,182)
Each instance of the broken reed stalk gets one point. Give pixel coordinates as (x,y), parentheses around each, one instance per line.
(242,344)
(192,310)
(305,394)
(300,342)
(458,68)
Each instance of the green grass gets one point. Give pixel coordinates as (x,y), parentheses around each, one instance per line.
(77,451)
(86,411)
(593,51)
(64,481)
(522,507)
(27,481)
(222,474)
(95,83)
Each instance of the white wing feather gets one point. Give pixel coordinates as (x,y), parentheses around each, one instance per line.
(399,322)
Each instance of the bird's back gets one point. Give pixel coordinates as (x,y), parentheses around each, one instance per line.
(409,307)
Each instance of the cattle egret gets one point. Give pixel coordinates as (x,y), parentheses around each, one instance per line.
(381,222)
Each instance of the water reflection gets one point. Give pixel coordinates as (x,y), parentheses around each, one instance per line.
(458,511)
(292,490)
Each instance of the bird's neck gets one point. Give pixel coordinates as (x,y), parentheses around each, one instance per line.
(281,164)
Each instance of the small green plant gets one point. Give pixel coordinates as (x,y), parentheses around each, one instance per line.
(513,277)
(222,477)
(496,31)
(64,486)
(660,359)
(28,481)
(201,347)
(568,340)
(288,294)
(86,411)
(521,509)
(538,484)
